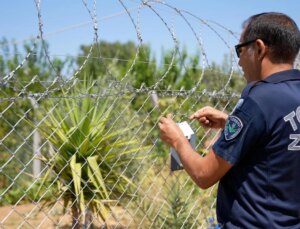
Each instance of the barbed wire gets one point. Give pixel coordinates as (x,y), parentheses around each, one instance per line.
(142,91)
(150,3)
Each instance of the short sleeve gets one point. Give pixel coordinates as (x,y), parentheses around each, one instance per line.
(244,129)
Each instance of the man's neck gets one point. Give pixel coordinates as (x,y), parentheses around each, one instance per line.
(270,68)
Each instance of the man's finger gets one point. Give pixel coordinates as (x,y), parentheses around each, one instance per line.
(198,114)
(169,116)
(159,125)
(193,116)
(161,120)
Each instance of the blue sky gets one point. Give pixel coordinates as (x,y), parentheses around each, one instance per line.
(67,23)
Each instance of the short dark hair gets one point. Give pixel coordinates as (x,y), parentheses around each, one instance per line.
(279,32)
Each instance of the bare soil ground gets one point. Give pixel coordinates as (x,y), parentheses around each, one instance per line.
(30,216)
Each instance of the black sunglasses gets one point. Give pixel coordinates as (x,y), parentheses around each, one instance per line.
(239,46)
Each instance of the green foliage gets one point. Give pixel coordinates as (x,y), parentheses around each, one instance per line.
(36,65)
(174,202)
(105,56)
(14,153)
(15,150)
(87,155)
(11,197)
(174,63)
(180,212)
(144,72)
(25,192)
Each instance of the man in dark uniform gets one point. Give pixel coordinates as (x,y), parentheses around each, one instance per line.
(257,157)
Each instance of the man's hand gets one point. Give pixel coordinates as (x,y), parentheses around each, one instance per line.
(205,171)
(210,117)
(170,131)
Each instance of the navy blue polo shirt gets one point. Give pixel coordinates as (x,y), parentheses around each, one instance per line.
(261,139)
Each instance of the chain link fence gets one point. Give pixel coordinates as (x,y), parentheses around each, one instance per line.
(81,156)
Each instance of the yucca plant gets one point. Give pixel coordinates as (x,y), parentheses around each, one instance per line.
(88,155)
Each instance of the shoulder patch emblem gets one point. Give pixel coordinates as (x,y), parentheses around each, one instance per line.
(233,127)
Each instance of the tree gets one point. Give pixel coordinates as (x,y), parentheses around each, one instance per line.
(104,54)
(25,71)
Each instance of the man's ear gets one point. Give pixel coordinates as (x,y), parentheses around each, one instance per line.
(261,49)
